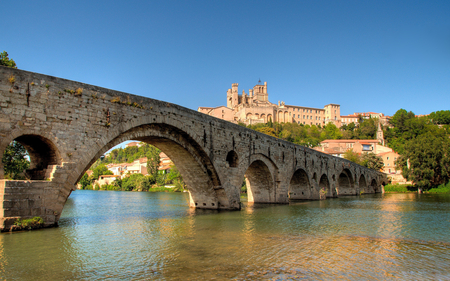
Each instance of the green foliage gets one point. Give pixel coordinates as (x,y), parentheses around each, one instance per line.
(153,164)
(443,188)
(372,161)
(4,60)
(267,130)
(352,156)
(84,181)
(400,188)
(426,160)
(14,161)
(28,224)
(244,186)
(100,170)
(440,117)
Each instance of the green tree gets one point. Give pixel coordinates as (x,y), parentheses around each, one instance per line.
(4,60)
(426,160)
(153,162)
(372,161)
(352,156)
(14,161)
(84,181)
(100,170)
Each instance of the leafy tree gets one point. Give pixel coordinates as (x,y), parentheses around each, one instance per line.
(153,164)
(84,181)
(4,60)
(132,182)
(14,161)
(352,156)
(267,130)
(372,161)
(440,117)
(100,170)
(426,160)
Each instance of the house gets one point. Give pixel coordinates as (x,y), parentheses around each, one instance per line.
(105,179)
(165,164)
(138,166)
(135,143)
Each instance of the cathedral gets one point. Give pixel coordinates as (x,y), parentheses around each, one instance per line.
(255,107)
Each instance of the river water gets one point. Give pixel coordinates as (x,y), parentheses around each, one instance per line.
(112,235)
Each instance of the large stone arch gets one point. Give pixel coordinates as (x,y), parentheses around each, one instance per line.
(324,184)
(363,184)
(260,178)
(345,183)
(42,150)
(192,161)
(374,187)
(299,186)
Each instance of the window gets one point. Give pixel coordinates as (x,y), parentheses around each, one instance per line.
(366,147)
(387,158)
(303,116)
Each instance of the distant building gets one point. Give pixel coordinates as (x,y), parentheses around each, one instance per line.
(135,143)
(165,163)
(255,107)
(105,180)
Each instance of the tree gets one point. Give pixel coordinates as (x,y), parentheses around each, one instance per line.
(372,161)
(352,156)
(4,60)
(84,181)
(426,160)
(14,161)
(153,165)
(100,170)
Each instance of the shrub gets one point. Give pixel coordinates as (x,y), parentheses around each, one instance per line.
(28,224)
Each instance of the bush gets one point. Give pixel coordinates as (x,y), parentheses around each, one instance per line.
(28,224)
(443,188)
(400,188)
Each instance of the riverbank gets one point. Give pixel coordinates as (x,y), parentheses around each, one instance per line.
(406,188)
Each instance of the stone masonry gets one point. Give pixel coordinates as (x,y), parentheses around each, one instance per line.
(66,126)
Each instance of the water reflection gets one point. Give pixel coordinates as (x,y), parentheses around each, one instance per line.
(134,236)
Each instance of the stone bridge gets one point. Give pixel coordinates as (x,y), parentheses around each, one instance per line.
(66,126)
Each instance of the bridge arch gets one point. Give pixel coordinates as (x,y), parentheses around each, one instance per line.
(299,186)
(232,159)
(345,183)
(363,184)
(192,161)
(43,153)
(324,184)
(374,187)
(260,179)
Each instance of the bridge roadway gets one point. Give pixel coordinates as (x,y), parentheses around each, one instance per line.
(66,126)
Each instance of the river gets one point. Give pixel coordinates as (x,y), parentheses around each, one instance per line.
(112,235)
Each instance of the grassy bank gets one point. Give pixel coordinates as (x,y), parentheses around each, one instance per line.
(443,188)
(403,188)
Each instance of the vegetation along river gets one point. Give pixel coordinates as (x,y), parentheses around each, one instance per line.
(138,235)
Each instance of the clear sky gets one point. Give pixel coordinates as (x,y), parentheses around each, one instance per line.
(364,55)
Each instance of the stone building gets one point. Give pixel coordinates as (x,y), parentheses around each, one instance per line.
(254,107)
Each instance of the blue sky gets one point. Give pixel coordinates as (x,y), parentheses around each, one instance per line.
(364,55)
